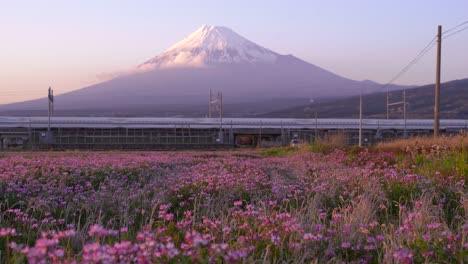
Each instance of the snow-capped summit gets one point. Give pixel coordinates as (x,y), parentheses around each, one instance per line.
(211,45)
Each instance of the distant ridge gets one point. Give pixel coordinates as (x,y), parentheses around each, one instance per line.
(453,104)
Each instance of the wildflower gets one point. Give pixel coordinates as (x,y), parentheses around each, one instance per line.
(226,230)
(345,244)
(7,232)
(99,231)
(323,216)
(275,240)
(403,255)
(169,217)
(433,225)
(370,247)
(346,229)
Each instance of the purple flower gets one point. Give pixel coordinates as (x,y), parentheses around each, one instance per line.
(403,255)
(433,225)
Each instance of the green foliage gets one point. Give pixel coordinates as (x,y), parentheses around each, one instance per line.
(454,213)
(279,152)
(99,177)
(399,194)
(449,163)
(419,247)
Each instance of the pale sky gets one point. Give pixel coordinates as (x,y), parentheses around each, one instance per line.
(72,44)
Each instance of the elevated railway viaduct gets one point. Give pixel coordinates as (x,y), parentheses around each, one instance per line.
(188,133)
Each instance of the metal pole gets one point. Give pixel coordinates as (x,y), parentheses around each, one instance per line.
(231,135)
(209,104)
(260,136)
(49,113)
(360,119)
(30,134)
(220,101)
(437,84)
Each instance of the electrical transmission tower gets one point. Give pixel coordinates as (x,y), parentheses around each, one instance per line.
(216,106)
(404,103)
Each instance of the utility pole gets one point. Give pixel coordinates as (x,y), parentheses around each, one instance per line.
(405,132)
(50,97)
(209,104)
(259,143)
(360,119)
(316,128)
(388,100)
(220,102)
(437,84)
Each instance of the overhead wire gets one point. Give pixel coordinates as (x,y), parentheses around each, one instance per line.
(411,63)
(454,33)
(455,27)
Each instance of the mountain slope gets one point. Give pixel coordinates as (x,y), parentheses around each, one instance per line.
(210,45)
(453,104)
(178,81)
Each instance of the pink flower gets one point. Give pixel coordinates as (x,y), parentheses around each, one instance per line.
(169,217)
(99,231)
(275,240)
(7,232)
(433,225)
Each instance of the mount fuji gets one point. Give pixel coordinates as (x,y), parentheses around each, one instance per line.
(210,45)
(253,80)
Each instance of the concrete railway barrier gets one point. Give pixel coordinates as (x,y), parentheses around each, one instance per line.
(199,133)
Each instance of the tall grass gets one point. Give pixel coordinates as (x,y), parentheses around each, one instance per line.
(324,144)
(454,142)
(445,156)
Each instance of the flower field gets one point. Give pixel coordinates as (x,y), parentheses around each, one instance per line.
(233,207)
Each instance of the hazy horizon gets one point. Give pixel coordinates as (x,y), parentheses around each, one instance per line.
(72,45)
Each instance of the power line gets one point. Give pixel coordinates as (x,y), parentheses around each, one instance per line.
(414,61)
(457,26)
(424,51)
(456,32)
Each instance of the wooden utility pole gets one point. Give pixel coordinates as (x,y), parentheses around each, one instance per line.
(437,84)
(360,119)
(405,132)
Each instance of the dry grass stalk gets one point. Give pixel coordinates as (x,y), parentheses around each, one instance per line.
(455,142)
